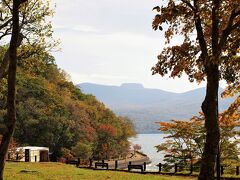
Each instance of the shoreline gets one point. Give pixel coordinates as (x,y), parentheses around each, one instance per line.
(137,158)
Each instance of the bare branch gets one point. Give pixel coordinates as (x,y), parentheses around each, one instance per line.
(5,2)
(1,16)
(7,32)
(5,24)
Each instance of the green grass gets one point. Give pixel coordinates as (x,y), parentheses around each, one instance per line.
(59,171)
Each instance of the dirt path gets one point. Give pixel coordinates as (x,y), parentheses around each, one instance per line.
(137,158)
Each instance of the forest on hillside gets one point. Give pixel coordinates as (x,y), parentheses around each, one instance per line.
(52,112)
(40,106)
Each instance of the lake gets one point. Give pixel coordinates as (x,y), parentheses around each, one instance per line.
(147,142)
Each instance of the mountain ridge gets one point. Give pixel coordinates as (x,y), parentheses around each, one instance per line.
(145,106)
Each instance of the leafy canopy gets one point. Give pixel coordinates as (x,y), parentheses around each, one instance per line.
(203,42)
(185,139)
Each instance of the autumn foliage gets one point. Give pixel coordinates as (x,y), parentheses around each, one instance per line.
(52,112)
(185,139)
(207,48)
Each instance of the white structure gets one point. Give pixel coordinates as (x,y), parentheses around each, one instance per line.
(33,154)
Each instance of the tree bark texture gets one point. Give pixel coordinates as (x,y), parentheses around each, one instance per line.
(210,110)
(11,107)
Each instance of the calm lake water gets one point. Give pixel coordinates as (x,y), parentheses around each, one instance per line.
(148,143)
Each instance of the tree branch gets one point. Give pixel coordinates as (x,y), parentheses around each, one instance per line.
(200,34)
(189,5)
(215,27)
(237,13)
(7,32)
(5,2)
(21,1)
(229,28)
(198,25)
(235,26)
(5,24)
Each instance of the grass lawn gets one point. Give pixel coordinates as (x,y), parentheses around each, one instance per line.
(59,171)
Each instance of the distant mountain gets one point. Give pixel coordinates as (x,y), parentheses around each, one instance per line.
(147,106)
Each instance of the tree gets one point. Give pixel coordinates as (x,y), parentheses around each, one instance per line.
(184,144)
(11,108)
(233,111)
(52,112)
(211,54)
(24,21)
(35,30)
(83,151)
(112,136)
(136,147)
(106,141)
(185,140)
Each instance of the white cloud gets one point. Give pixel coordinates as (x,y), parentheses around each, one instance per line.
(111,42)
(78,28)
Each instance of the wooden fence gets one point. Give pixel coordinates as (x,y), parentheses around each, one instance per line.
(178,169)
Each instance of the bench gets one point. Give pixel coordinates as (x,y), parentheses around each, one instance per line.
(72,162)
(131,166)
(97,164)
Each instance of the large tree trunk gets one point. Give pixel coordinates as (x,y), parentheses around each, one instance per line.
(11,109)
(5,61)
(210,110)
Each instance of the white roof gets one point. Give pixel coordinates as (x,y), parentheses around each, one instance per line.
(33,148)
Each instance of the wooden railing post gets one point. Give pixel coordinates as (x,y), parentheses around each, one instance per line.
(129,164)
(160,167)
(116,164)
(222,170)
(176,166)
(67,160)
(237,170)
(144,166)
(102,162)
(78,162)
(191,168)
(90,162)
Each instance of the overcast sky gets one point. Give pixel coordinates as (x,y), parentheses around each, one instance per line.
(111,42)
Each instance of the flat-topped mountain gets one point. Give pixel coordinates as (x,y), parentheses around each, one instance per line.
(146,106)
(132,86)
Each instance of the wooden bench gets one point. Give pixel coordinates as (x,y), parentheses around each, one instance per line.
(72,162)
(131,166)
(97,164)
